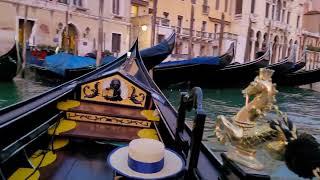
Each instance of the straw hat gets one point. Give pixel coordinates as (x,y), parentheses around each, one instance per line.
(145,159)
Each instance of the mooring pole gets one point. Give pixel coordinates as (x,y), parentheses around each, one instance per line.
(100,33)
(190,49)
(24,42)
(154,19)
(221,34)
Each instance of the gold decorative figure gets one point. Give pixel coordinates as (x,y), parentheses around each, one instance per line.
(242,129)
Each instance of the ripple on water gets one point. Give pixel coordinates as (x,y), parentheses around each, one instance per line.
(18,90)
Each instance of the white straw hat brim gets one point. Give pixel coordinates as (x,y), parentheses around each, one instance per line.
(118,160)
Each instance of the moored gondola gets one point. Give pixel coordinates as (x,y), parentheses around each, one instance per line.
(234,75)
(156,54)
(151,57)
(299,78)
(237,75)
(185,70)
(284,66)
(67,132)
(8,64)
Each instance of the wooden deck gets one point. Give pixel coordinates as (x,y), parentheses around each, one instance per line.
(81,161)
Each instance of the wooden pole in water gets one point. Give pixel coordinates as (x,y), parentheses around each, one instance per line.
(67,30)
(247,50)
(24,43)
(154,19)
(221,34)
(100,33)
(191,30)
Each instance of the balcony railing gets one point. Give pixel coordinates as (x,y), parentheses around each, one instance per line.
(202,35)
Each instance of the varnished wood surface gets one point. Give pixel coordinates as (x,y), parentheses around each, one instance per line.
(103,131)
(79,161)
(109,110)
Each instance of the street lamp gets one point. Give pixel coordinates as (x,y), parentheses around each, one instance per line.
(144,28)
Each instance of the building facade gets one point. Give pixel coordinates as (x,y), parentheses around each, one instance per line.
(264,23)
(69,24)
(197,23)
(311,33)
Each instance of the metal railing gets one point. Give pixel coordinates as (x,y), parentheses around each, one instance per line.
(203,34)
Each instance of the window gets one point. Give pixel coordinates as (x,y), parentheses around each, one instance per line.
(116,40)
(160,38)
(63,1)
(165,14)
(253,2)
(272,15)
(238,7)
(226,5)
(115,7)
(204,24)
(134,11)
(288,18)
(217,4)
(215,28)
(283,13)
(205,7)
(205,2)
(77,3)
(180,21)
(278,10)
(267,10)
(298,21)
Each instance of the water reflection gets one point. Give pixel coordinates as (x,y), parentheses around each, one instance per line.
(18,90)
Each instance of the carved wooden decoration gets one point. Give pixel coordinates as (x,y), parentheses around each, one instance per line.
(114,90)
(107,120)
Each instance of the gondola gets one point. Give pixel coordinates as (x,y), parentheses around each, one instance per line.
(8,65)
(234,75)
(299,78)
(184,70)
(282,67)
(287,65)
(67,132)
(151,57)
(156,54)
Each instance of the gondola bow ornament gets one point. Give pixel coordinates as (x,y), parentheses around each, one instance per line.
(242,130)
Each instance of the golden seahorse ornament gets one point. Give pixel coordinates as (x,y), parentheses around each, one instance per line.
(242,130)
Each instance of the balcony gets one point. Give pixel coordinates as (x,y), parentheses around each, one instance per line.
(163,21)
(279,25)
(205,9)
(202,35)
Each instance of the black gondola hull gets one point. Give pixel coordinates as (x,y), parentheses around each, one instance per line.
(8,65)
(212,77)
(299,78)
